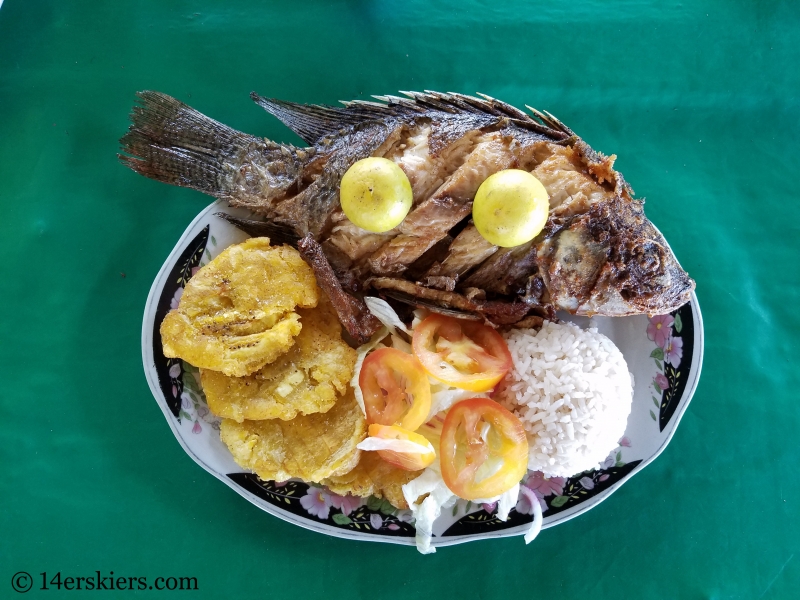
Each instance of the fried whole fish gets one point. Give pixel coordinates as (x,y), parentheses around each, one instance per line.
(597,255)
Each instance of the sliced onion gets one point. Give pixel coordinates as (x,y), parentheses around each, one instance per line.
(385,314)
(506,502)
(536,525)
(401,446)
(426,512)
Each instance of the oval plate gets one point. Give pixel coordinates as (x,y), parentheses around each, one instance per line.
(663,353)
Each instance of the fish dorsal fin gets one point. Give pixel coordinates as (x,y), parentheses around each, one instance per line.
(312,122)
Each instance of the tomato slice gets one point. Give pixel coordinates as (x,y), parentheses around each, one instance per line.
(396,389)
(399,447)
(464,354)
(483,449)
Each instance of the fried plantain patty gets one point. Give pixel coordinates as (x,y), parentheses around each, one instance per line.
(237,313)
(311,447)
(307,379)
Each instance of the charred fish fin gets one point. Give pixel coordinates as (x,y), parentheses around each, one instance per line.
(311,122)
(430,101)
(480,105)
(504,107)
(171,142)
(429,305)
(314,122)
(276,232)
(549,120)
(353,313)
(498,312)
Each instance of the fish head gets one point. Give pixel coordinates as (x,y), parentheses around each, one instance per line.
(613,261)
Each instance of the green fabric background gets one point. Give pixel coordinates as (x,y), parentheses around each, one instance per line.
(698,99)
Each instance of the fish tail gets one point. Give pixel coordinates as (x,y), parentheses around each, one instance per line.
(171,142)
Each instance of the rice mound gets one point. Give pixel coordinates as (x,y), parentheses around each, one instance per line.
(572,391)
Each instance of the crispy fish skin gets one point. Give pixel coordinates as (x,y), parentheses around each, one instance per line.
(447,144)
(311,447)
(307,379)
(373,476)
(237,313)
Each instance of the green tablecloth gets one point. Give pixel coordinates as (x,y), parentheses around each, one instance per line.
(698,99)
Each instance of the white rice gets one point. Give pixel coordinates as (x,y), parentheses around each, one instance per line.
(572,391)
